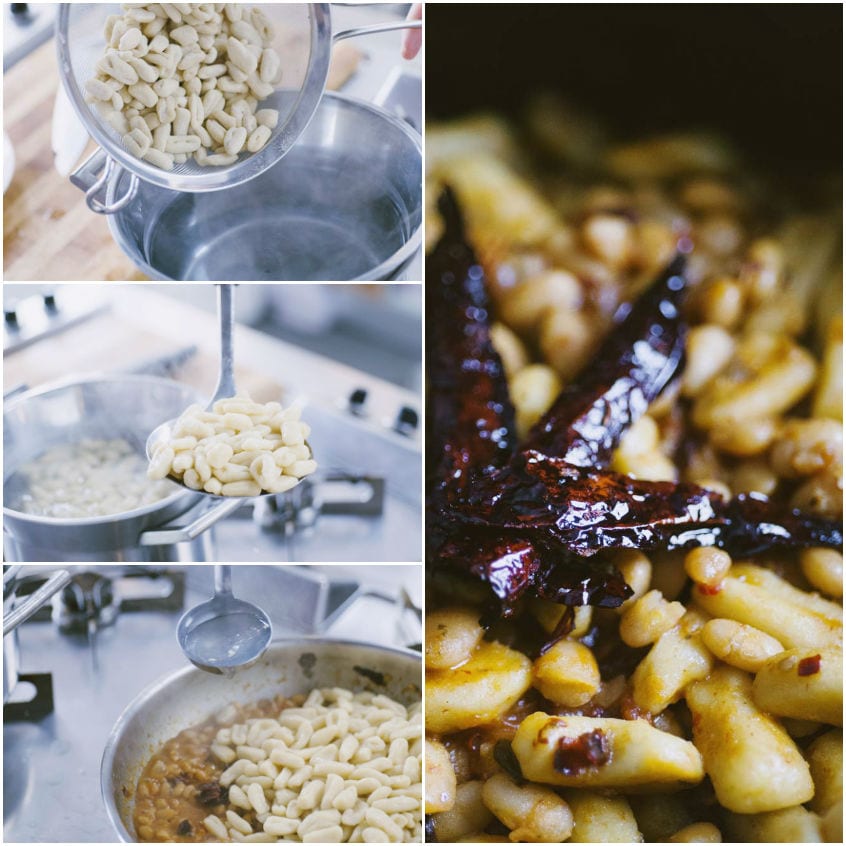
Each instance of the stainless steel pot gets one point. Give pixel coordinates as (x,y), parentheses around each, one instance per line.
(189,696)
(344,203)
(103,406)
(24,610)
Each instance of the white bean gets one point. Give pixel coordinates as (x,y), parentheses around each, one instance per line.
(234,140)
(258,138)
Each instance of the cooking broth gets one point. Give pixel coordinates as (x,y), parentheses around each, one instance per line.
(88,478)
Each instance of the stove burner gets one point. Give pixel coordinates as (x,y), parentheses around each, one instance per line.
(148,590)
(86,604)
(336,493)
(171,581)
(36,708)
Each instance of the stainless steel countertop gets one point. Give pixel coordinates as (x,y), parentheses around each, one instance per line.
(51,780)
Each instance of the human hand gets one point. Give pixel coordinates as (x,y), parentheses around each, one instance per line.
(413,39)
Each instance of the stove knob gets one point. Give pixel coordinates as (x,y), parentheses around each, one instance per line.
(407,421)
(19,8)
(11,317)
(357,402)
(50,302)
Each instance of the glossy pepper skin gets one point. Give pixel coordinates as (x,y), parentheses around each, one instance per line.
(585,511)
(513,565)
(470,418)
(470,426)
(583,426)
(635,363)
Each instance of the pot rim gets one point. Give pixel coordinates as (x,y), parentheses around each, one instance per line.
(393,263)
(67,382)
(110,749)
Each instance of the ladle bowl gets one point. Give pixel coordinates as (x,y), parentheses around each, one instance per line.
(225,383)
(224,634)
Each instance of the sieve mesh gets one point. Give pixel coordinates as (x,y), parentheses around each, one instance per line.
(302,38)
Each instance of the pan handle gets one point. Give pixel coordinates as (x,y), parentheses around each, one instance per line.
(372,28)
(182,534)
(95,174)
(23,612)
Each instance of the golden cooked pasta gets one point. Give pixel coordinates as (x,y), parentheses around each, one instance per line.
(708,707)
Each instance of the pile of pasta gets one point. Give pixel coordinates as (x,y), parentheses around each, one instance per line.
(93,477)
(239,448)
(184,80)
(709,706)
(343,767)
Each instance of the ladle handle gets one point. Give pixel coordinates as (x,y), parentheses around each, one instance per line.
(223,580)
(226,315)
(372,28)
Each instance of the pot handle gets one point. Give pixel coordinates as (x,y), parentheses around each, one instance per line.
(181,534)
(23,612)
(94,174)
(372,28)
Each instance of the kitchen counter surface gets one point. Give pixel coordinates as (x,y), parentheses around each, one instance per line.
(48,231)
(142,323)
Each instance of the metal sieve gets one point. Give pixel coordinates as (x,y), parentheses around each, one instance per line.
(303,39)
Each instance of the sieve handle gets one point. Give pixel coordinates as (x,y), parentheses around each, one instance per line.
(383,27)
(95,174)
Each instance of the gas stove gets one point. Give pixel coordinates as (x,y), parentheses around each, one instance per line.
(111,633)
(364,504)
(365,507)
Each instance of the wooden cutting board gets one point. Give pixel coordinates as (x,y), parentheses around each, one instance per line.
(49,234)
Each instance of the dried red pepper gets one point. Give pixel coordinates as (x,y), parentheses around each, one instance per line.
(469,402)
(587,420)
(513,565)
(584,511)
(470,433)
(470,418)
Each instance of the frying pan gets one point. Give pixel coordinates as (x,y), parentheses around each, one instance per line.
(189,696)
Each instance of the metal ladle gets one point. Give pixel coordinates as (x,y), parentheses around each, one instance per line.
(225,384)
(224,634)
(226,377)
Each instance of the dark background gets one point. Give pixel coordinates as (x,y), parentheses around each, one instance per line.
(769,76)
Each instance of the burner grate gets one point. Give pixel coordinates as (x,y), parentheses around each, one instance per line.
(39,706)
